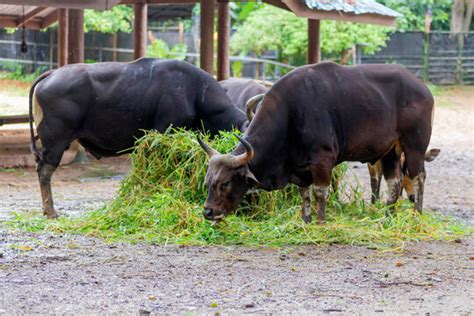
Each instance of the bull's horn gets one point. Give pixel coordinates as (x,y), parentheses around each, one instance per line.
(252,104)
(242,159)
(209,151)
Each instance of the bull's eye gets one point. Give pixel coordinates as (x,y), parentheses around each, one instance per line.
(224,186)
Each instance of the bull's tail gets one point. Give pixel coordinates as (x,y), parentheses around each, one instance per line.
(34,149)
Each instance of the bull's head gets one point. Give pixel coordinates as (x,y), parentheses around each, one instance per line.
(228,178)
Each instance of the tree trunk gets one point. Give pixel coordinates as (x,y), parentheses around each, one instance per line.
(457,17)
(461,15)
(468,16)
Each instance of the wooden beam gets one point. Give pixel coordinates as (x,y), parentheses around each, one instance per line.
(62,36)
(207,35)
(75,36)
(71,4)
(49,19)
(278,4)
(140,24)
(300,9)
(29,16)
(314,46)
(223,35)
(10,21)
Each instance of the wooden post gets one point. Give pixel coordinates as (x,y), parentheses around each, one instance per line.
(207,35)
(223,34)
(140,24)
(62,36)
(75,40)
(314,49)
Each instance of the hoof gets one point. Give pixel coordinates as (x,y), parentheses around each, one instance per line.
(50,214)
(411,197)
(306,218)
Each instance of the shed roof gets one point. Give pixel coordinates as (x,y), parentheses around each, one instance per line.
(363,11)
(352,6)
(34,18)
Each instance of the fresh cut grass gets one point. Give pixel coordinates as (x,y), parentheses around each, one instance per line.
(161,202)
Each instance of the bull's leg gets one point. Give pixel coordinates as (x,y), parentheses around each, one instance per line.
(54,146)
(375,172)
(321,173)
(415,165)
(306,206)
(45,171)
(81,156)
(392,173)
(320,193)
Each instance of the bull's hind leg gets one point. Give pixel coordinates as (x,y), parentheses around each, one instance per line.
(375,171)
(392,174)
(53,149)
(415,165)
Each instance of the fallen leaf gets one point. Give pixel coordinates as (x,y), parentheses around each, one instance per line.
(24,248)
(399,264)
(152,298)
(214,305)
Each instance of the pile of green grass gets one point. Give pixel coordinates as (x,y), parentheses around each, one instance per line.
(161,202)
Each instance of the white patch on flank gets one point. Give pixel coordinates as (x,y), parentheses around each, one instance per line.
(37,110)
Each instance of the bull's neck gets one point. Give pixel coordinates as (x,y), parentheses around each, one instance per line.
(268,135)
(217,110)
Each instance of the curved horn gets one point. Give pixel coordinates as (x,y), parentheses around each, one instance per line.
(209,151)
(252,104)
(242,159)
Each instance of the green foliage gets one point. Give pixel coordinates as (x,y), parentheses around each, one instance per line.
(159,49)
(240,11)
(414,14)
(161,202)
(271,28)
(17,72)
(118,19)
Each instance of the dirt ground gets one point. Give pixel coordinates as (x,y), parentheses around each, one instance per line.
(58,274)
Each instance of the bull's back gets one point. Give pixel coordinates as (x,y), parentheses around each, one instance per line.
(354,110)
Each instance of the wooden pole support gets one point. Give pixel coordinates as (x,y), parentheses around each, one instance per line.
(207,35)
(223,35)
(62,36)
(314,48)
(75,41)
(140,23)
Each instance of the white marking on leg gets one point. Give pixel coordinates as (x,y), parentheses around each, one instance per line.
(306,205)
(393,186)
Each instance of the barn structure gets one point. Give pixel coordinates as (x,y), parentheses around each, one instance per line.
(38,14)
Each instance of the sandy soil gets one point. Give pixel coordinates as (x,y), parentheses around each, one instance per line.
(57,274)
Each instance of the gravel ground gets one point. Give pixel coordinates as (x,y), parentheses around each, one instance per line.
(63,274)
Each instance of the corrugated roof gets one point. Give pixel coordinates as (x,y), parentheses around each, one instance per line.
(351,6)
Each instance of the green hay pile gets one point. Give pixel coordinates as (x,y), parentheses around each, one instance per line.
(161,202)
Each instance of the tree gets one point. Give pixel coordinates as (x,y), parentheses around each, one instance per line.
(118,19)
(413,18)
(271,28)
(461,15)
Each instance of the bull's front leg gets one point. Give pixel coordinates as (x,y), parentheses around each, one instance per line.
(306,205)
(321,173)
(320,193)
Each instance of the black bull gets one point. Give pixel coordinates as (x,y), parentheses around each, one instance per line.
(107,106)
(318,116)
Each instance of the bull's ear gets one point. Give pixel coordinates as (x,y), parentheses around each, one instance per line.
(432,154)
(251,176)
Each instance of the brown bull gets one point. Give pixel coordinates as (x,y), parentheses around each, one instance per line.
(318,116)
